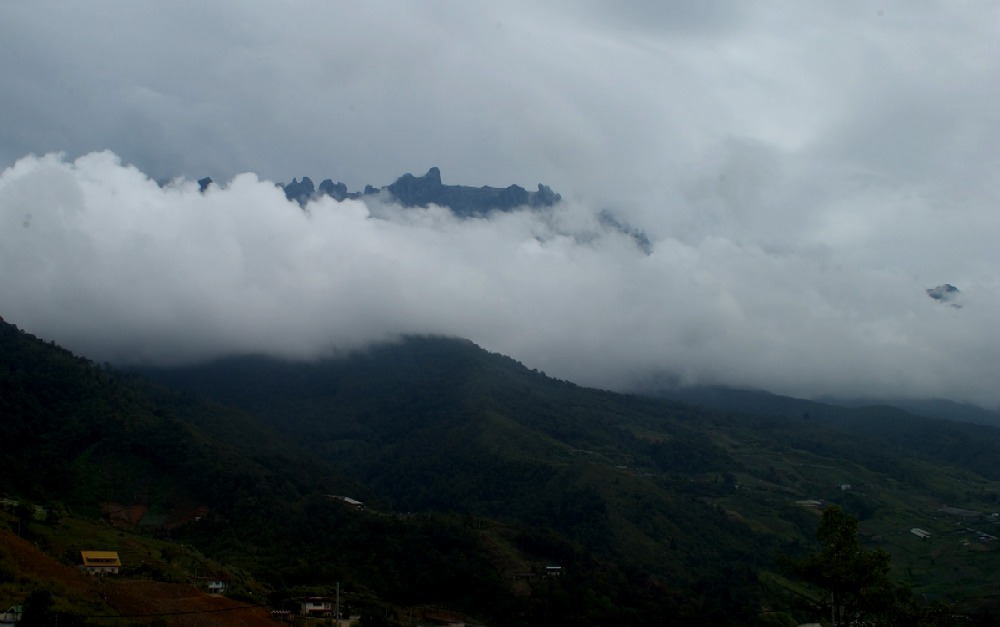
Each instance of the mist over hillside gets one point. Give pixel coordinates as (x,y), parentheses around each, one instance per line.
(105,261)
(738,206)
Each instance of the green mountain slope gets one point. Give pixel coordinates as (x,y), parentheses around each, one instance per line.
(943,432)
(438,425)
(685,494)
(75,432)
(89,438)
(478,473)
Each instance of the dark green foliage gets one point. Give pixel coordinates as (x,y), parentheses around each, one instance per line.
(440,425)
(856,578)
(76,432)
(888,430)
(688,451)
(857,581)
(854,504)
(436,425)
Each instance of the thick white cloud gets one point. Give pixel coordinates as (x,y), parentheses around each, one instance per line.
(804,171)
(101,259)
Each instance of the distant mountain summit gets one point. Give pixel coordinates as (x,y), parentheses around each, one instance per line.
(946,293)
(421,191)
(463,201)
(412,191)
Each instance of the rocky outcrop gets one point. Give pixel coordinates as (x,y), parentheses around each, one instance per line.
(300,191)
(421,191)
(946,293)
(412,191)
(337,191)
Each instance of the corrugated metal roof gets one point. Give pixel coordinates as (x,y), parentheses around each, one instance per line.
(100,558)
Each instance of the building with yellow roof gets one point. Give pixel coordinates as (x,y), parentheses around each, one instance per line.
(101,562)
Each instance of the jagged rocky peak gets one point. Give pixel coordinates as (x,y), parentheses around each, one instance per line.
(546,196)
(433,175)
(300,191)
(946,293)
(334,190)
(412,191)
(415,191)
(421,191)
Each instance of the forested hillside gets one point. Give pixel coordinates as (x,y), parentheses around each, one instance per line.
(692,496)
(90,443)
(437,425)
(479,476)
(80,433)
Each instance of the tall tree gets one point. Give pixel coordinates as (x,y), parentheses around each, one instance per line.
(857,579)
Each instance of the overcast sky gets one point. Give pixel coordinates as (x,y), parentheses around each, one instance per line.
(804,171)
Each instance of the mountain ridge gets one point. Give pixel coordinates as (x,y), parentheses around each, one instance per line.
(420,191)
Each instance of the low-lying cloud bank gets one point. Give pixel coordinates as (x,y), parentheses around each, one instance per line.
(99,258)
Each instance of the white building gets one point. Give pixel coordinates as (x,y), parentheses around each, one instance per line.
(317,606)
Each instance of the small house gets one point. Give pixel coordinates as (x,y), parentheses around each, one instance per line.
(920,533)
(553,571)
(101,562)
(216,586)
(317,606)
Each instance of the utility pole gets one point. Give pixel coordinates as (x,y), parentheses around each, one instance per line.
(338,604)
